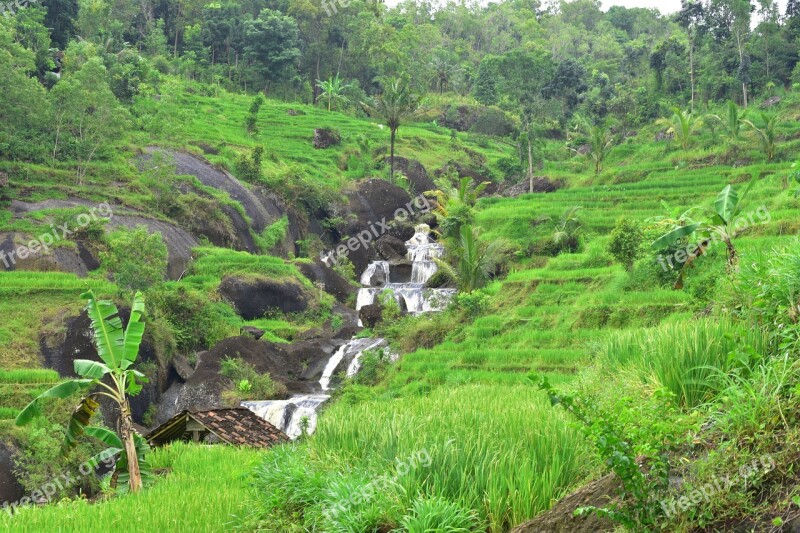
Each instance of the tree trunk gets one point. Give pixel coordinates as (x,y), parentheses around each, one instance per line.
(691,70)
(391,156)
(530,164)
(126,431)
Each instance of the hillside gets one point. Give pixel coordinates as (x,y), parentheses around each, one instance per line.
(505,268)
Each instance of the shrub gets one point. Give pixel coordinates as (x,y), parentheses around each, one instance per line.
(626,242)
(248,383)
(136,258)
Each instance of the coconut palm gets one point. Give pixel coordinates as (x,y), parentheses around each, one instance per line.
(682,124)
(766,132)
(396,104)
(333,90)
(112,378)
(474,261)
(443,71)
(567,229)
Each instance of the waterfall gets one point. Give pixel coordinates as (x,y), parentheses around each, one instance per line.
(287,415)
(413,296)
(353,349)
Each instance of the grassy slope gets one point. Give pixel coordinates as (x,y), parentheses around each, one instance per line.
(544,316)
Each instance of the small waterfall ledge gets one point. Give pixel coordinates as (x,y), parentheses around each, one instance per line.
(289,415)
(410,294)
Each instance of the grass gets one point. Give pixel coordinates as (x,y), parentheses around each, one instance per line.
(29,376)
(508,459)
(218,496)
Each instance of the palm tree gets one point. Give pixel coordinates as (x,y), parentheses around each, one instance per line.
(394,105)
(733,120)
(443,72)
(682,124)
(766,133)
(475,261)
(567,229)
(601,142)
(333,90)
(455,198)
(113,378)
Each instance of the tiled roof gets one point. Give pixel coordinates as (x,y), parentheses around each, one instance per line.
(237,426)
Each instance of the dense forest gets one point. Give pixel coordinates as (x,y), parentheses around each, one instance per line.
(338,266)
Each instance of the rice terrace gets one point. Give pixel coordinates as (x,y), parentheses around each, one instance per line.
(371,267)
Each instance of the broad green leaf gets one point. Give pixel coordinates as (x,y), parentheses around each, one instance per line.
(747,190)
(108,437)
(134,332)
(726,203)
(109,336)
(76,426)
(90,369)
(673,236)
(60,391)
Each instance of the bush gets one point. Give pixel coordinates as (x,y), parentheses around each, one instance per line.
(626,242)
(136,258)
(248,383)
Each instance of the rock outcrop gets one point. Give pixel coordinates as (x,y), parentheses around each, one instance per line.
(254,297)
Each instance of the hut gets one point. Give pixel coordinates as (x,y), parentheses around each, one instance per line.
(236,426)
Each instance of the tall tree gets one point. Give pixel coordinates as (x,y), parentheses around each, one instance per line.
(396,103)
(273,45)
(690,17)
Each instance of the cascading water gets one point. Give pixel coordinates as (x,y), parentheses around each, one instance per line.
(412,294)
(288,415)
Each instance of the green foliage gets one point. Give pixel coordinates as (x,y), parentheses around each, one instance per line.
(438,514)
(118,350)
(333,90)
(684,359)
(600,141)
(248,384)
(626,243)
(475,262)
(681,125)
(272,235)
(765,132)
(136,258)
(640,509)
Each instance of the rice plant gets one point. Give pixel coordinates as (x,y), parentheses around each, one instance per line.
(687,359)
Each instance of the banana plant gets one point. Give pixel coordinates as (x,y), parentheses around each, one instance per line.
(719,225)
(113,377)
(333,91)
(734,118)
(682,124)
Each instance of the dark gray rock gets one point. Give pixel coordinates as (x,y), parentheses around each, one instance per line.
(10,488)
(325,138)
(391,249)
(253,298)
(370,315)
(333,282)
(250,331)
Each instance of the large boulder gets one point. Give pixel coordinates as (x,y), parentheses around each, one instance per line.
(537,184)
(10,488)
(325,138)
(370,315)
(477,174)
(391,249)
(415,172)
(254,297)
(374,204)
(333,282)
(76,341)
